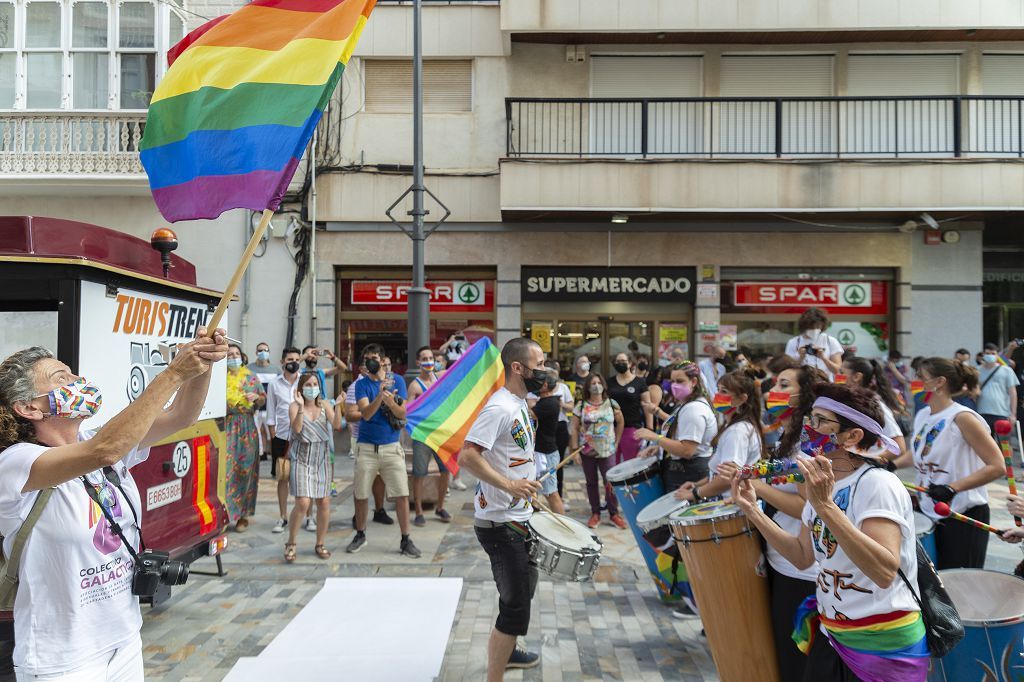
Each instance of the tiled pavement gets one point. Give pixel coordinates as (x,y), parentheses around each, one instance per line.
(612,629)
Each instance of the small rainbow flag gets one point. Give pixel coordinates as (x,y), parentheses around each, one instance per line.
(777,403)
(722,403)
(443,415)
(1001,360)
(231,118)
(917,389)
(839,379)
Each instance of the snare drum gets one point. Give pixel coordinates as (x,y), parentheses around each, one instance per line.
(723,558)
(637,483)
(571,554)
(925,529)
(991,606)
(653,524)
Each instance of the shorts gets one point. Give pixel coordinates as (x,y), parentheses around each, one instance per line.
(388,460)
(279,451)
(514,575)
(421,453)
(545,463)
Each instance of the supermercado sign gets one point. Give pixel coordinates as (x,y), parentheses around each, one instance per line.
(836,297)
(609,284)
(127,339)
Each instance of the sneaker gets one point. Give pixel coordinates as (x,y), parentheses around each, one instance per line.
(409,549)
(618,521)
(682,611)
(334,489)
(381,516)
(595,520)
(419,521)
(357,543)
(457,484)
(521,658)
(351,454)
(279,526)
(565,506)
(444,515)
(310,525)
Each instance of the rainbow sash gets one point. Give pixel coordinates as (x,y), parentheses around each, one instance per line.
(889,647)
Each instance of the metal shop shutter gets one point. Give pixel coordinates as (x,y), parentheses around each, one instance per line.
(447,86)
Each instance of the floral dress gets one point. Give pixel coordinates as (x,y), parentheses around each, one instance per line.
(243,444)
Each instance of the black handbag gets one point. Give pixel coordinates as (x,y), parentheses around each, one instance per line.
(942,624)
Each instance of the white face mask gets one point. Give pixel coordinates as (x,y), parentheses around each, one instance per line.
(584,366)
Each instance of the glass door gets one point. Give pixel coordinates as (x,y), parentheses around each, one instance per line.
(628,337)
(578,338)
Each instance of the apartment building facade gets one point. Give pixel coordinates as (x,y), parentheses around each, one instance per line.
(662,172)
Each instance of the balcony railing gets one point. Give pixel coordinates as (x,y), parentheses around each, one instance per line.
(71,143)
(797,127)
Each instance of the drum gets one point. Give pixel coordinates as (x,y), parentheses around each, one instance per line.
(723,559)
(637,483)
(653,524)
(925,528)
(991,606)
(571,553)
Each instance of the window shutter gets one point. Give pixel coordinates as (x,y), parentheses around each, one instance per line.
(776,76)
(1003,74)
(897,75)
(447,86)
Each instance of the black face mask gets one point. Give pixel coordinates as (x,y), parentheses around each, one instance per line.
(535,381)
(291,367)
(621,367)
(642,366)
(311,363)
(372,366)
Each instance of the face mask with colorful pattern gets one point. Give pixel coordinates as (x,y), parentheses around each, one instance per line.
(813,442)
(80,399)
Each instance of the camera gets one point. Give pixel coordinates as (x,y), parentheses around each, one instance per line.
(155,568)
(809,349)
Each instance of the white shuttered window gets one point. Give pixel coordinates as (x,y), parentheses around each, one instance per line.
(995,125)
(447,86)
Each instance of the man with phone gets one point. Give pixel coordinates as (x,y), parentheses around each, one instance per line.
(311,356)
(380,397)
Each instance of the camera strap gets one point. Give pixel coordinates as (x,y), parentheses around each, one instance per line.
(90,490)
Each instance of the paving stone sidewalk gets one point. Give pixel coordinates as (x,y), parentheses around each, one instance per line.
(614,628)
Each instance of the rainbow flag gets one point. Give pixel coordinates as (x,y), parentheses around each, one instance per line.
(1001,360)
(229,122)
(889,647)
(777,403)
(839,379)
(442,416)
(722,403)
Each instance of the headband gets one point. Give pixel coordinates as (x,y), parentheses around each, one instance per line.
(861,420)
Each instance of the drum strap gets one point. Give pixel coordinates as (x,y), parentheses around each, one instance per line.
(520,528)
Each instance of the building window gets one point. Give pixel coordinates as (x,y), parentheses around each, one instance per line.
(447,86)
(84,54)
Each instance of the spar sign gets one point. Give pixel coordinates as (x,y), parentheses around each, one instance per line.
(836,297)
(128,338)
(446,295)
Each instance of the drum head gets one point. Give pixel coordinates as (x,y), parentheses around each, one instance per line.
(922,524)
(702,513)
(984,596)
(576,537)
(629,469)
(656,513)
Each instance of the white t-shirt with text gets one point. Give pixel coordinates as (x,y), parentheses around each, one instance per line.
(941,455)
(503,431)
(74,601)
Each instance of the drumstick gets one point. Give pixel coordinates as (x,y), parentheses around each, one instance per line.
(536,500)
(562,463)
(1003,435)
(942,509)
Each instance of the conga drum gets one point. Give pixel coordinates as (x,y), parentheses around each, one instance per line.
(653,523)
(991,606)
(636,483)
(725,565)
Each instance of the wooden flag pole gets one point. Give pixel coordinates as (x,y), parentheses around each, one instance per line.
(243,264)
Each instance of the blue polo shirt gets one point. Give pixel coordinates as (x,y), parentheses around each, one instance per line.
(377,430)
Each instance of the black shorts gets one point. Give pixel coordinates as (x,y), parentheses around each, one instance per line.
(278,448)
(514,575)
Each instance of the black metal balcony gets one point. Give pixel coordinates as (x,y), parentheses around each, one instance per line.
(783,127)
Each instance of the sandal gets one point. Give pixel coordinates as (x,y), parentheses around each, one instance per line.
(322,552)
(289,552)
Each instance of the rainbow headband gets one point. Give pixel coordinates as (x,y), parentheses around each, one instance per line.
(861,420)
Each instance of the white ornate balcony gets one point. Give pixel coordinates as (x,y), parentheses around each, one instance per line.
(82,145)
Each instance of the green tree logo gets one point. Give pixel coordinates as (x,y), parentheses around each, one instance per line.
(469,293)
(854,294)
(846,337)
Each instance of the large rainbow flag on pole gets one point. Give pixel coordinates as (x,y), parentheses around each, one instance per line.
(230,120)
(443,415)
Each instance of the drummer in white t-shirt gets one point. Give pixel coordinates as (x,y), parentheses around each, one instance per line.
(75,613)
(858,524)
(740,442)
(499,451)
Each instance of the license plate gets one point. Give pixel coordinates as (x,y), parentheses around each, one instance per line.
(218,545)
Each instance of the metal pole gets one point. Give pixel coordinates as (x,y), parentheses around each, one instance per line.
(419,296)
(312,245)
